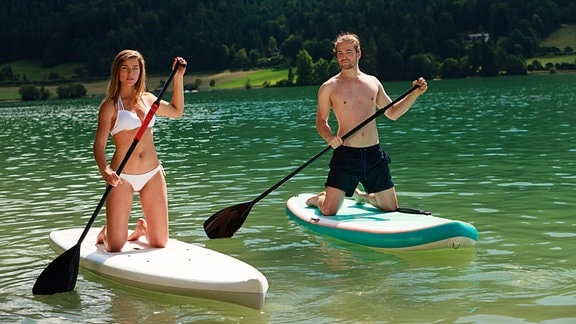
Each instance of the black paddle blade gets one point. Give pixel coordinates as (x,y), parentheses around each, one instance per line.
(226,222)
(60,275)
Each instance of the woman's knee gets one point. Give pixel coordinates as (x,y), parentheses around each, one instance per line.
(158,242)
(114,245)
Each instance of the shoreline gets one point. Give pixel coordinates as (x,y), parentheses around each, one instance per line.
(98,88)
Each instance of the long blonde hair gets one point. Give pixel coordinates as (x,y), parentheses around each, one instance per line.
(113,90)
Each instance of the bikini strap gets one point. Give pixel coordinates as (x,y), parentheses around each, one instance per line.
(144,103)
(120,104)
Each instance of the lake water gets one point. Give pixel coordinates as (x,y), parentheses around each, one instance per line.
(499,153)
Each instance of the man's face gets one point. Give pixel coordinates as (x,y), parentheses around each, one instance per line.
(347,55)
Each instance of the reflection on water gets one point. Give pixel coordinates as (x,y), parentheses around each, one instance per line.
(498,153)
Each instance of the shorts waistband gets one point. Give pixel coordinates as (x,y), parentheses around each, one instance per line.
(359,149)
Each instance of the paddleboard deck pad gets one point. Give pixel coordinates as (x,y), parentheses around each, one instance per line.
(366,225)
(180,268)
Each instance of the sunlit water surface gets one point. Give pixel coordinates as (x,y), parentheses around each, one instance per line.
(498,153)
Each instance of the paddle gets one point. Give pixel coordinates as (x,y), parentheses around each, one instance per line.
(61,274)
(226,222)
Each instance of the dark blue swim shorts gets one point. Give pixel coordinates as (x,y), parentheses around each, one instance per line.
(367,165)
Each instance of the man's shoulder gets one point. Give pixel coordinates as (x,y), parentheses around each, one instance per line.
(330,83)
(367,76)
(332,80)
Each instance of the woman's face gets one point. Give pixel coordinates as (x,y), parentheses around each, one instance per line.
(129,71)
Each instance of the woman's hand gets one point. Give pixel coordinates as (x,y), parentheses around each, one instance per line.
(182,67)
(111,177)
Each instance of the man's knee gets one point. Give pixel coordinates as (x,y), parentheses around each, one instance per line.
(329,210)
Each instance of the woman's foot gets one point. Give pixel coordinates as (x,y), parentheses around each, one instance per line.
(141,229)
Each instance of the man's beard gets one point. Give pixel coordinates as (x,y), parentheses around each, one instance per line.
(347,65)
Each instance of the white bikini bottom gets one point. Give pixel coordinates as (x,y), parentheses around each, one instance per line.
(138,181)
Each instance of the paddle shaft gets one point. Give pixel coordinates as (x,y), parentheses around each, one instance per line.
(135,142)
(350,133)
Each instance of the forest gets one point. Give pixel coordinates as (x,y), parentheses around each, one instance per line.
(400,39)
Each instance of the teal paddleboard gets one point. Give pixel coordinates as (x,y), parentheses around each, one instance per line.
(366,225)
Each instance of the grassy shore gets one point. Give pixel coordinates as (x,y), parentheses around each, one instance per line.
(32,70)
(222,81)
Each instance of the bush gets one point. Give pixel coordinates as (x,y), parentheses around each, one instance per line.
(29,92)
(193,86)
(68,91)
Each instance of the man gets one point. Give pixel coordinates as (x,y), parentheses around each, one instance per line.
(353,95)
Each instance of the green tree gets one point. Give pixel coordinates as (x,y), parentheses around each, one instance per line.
(29,92)
(515,65)
(291,76)
(253,57)
(450,68)
(304,68)
(291,47)
(421,65)
(241,60)
(44,93)
(391,66)
(483,59)
(6,73)
(321,71)
(220,57)
(369,60)
(272,47)
(68,91)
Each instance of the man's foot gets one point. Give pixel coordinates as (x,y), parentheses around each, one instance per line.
(313,201)
(360,196)
(141,229)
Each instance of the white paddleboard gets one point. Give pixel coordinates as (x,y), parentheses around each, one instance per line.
(180,268)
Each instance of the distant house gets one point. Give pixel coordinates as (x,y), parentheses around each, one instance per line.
(480,36)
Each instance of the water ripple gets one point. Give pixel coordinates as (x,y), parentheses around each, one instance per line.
(494,152)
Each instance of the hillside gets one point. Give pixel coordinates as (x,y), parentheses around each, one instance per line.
(33,71)
(400,39)
(561,38)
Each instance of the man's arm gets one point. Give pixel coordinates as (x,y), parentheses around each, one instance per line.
(404,105)
(322,115)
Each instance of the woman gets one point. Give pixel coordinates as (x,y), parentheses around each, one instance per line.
(121,114)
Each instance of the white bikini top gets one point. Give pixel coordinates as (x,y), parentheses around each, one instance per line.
(126,120)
